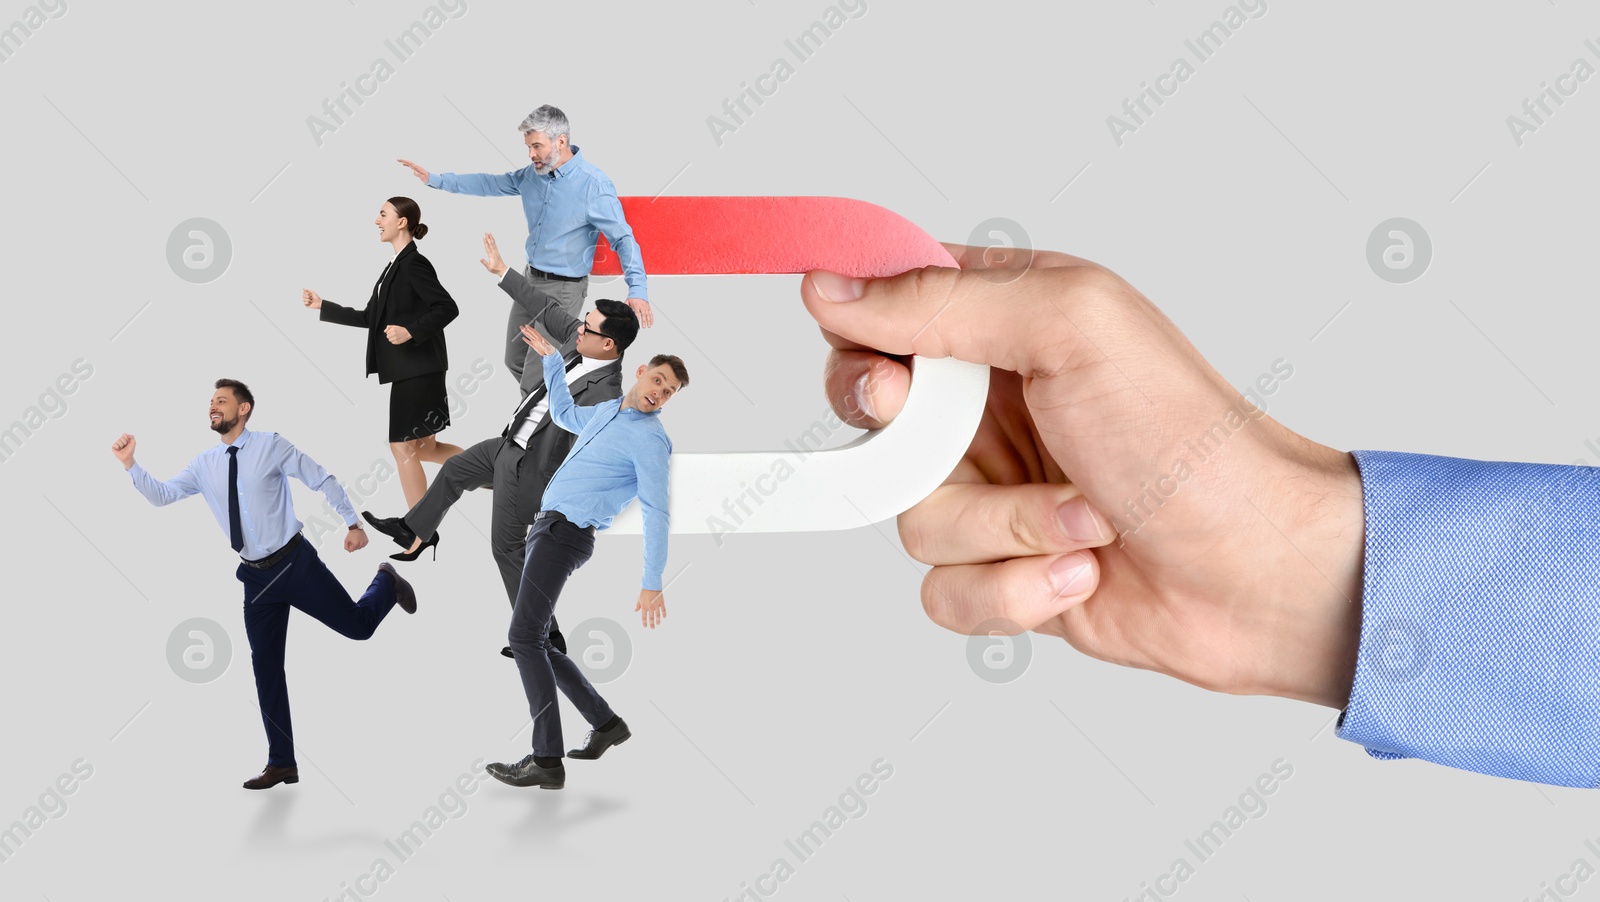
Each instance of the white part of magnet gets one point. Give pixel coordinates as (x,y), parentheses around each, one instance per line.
(876,476)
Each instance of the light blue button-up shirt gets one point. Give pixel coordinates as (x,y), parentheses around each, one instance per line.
(1480,617)
(618,455)
(566,209)
(266,509)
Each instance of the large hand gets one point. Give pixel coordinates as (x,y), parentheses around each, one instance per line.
(416,170)
(311,299)
(123,449)
(397,335)
(491,259)
(653,606)
(1239,562)
(641,309)
(355,539)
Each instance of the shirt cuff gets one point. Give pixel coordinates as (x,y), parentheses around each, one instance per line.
(1480,621)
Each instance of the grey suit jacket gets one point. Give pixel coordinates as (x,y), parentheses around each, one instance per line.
(549,443)
(551,316)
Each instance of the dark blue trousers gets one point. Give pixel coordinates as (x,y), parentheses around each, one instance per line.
(555,549)
(301,581)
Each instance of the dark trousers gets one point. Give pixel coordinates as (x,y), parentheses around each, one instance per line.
(555,549)
(518,486)
(492,463)
(302,581)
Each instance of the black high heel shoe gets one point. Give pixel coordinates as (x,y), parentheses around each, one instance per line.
(413,555)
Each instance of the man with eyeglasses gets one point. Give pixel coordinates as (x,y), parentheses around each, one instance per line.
(519,462)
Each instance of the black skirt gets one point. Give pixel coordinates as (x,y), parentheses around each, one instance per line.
(418,407)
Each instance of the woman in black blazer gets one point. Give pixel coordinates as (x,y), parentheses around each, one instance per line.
(405,321)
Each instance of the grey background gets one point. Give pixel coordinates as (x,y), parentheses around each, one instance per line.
(789,664)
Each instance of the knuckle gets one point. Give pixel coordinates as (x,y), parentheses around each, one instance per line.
(1102,293)
(916,535)
(960,597)
(936,289)
(1024,524)
(935,603)
(934,281)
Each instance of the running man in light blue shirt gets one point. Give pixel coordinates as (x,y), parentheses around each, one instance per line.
(245,481)
(621,452)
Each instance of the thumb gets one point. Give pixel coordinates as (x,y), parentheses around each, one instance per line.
(1029,325)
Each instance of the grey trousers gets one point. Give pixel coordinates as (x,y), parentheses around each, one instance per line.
(492,463)
(523,361)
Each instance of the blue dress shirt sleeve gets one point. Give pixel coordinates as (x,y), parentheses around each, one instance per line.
(605,213)
(483,184)
(564,411)
(294,462)
(161,493)
(650,469)
(1480,622)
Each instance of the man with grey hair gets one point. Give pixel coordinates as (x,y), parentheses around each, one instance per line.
(568,203)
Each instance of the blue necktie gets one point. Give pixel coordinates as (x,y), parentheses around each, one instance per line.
(235,527)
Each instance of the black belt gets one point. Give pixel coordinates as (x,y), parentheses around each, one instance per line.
(539,273)
(560,516)
(274,557)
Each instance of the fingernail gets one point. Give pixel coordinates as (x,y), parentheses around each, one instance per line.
(834,287)
(1080,522)
(863,396)
(1070,573)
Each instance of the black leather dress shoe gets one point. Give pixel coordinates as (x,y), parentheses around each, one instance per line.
(393,527)
(406,597)
(527,773)
(272,776)
(600,740)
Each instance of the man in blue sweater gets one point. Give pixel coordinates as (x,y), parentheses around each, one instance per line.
(621,452)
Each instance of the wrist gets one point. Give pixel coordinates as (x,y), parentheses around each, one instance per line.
(1315,628)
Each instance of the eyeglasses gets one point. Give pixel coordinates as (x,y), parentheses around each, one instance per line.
(585,327)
